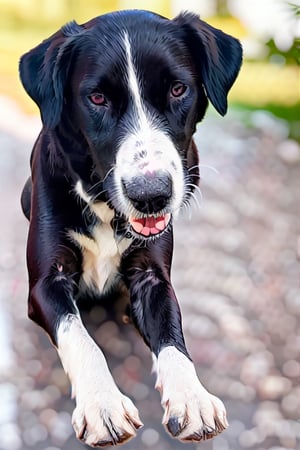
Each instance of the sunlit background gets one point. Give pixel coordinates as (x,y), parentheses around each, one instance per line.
(236,263)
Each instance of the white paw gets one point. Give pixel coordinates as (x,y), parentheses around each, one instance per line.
(105,418)
(191,413)
(103,415)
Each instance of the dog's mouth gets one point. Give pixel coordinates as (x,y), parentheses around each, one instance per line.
(150,225)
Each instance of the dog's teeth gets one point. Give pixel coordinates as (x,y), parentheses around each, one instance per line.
(160,224)
(150,225)
(146,231)
(155,230)
(137,226)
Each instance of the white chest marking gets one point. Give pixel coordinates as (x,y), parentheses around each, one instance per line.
(101,252)
(101,257)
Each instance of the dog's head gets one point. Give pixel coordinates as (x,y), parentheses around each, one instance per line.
(128,89)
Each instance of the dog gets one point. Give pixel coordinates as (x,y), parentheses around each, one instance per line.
(115,161)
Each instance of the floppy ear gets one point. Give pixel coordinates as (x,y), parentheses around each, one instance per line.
(44,71)
(217,57)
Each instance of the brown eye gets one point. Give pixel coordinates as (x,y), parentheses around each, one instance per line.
(98,99)
(178,89)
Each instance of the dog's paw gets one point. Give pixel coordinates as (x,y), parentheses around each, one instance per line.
(103,415)
(191,413)
(105,419)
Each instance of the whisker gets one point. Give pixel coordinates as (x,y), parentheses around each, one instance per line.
(196,166)
(195,199)
(87,211)
(89,204)
(187,208)
(213,169)
(108,173)
(197,189)
(93,186)
(98,194)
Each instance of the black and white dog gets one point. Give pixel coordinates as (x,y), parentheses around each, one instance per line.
(120,97)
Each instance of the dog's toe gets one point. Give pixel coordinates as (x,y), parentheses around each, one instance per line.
(203,423)
(191,413)
(192,418)
(79,423)
(111,424)
(174,426)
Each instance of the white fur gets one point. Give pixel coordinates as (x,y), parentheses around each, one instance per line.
(81,192)
(133,83)
(101,258)
(184,397)
(101,252)
(146,147)
(99,403)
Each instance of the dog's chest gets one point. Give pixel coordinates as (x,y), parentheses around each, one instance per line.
(101,252)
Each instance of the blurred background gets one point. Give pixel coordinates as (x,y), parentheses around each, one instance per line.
(236,266)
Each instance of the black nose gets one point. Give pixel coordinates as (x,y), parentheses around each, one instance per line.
(149,194)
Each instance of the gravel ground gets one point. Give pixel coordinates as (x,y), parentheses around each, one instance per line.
(236,272)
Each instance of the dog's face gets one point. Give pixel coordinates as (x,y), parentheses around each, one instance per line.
(130,87)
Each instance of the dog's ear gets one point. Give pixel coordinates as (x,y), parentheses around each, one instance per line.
(217,57)
(44,71)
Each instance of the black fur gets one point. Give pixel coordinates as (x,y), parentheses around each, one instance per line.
(79,142)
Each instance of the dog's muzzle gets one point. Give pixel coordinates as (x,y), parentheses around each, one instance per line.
(150,195)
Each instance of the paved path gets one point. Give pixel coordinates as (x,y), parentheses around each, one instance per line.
(237,275)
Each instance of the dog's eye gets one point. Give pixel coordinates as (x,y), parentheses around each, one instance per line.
(98,99)
(178,89)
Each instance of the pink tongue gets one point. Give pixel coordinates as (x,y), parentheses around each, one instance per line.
(150,225)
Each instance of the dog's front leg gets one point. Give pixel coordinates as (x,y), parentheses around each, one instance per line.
(103,415)
(191,412)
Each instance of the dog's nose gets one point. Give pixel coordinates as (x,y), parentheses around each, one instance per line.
(149,194)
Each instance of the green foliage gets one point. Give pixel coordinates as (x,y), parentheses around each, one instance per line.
(295,8)
(289,113)
(291,56)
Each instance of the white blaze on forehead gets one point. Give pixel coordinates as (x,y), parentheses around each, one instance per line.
(146,146)
(134,87)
